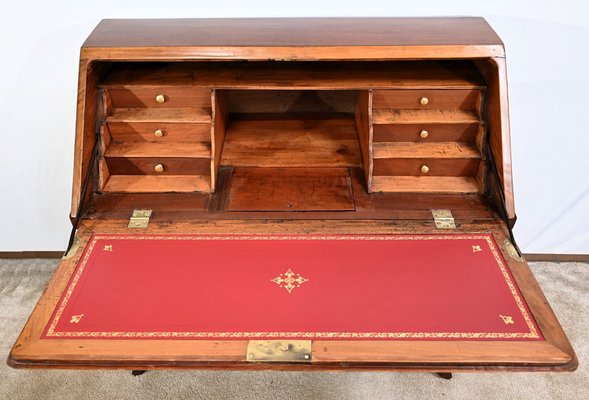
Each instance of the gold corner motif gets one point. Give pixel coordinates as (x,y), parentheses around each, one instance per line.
(476,248)
(507,319)
(76,318)
(107,247)
(93,243)
(289,280)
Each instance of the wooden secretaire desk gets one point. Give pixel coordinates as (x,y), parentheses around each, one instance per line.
(293,194)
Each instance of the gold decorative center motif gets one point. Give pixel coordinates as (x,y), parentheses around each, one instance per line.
(76,318)
(289,280)
(507,319)
(476,248)
(107,247)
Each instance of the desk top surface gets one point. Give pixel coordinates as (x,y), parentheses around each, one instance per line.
(293,32)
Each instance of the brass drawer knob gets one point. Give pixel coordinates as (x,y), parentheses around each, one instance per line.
(423,134)
(423,101)
(158,133)
(160,98)
(159,168)
(424,169)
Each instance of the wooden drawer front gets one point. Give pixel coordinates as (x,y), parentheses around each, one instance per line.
(173,96)
(433,132)
(159,132)
(466,99)
(436,167)
(147,166)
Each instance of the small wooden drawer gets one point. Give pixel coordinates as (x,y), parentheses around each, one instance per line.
(465,99)
(425,132)
(158,166)
(160,96)
(160,132)
(426,167)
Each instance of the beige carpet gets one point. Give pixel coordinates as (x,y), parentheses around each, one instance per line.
(22,281)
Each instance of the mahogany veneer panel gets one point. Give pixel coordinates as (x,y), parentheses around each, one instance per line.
(261,32)
(290,189)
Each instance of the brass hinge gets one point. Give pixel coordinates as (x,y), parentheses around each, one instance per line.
(512,251)
(443,219)
(294,351)
(73,250)
(139,219)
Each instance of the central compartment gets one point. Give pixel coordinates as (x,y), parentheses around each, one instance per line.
(291,128)
(290,149)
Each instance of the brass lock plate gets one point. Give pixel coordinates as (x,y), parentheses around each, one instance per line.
(294,351)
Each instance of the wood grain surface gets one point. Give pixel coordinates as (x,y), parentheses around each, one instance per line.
(353,166)
(290,189)
(553,354)
(329,141)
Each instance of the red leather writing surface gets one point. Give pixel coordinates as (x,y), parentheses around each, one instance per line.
(252,286)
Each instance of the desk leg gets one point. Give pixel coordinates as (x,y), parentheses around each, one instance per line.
(137,372)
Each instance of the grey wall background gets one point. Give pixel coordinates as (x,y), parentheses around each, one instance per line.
(547,55)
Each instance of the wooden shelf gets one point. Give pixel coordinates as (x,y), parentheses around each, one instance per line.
(442,150)
(424,184)
(298,75)
(448,116)
(157,184)
(152,150)
(282,141)
(198,115)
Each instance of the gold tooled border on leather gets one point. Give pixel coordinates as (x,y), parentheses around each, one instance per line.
(532,334)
